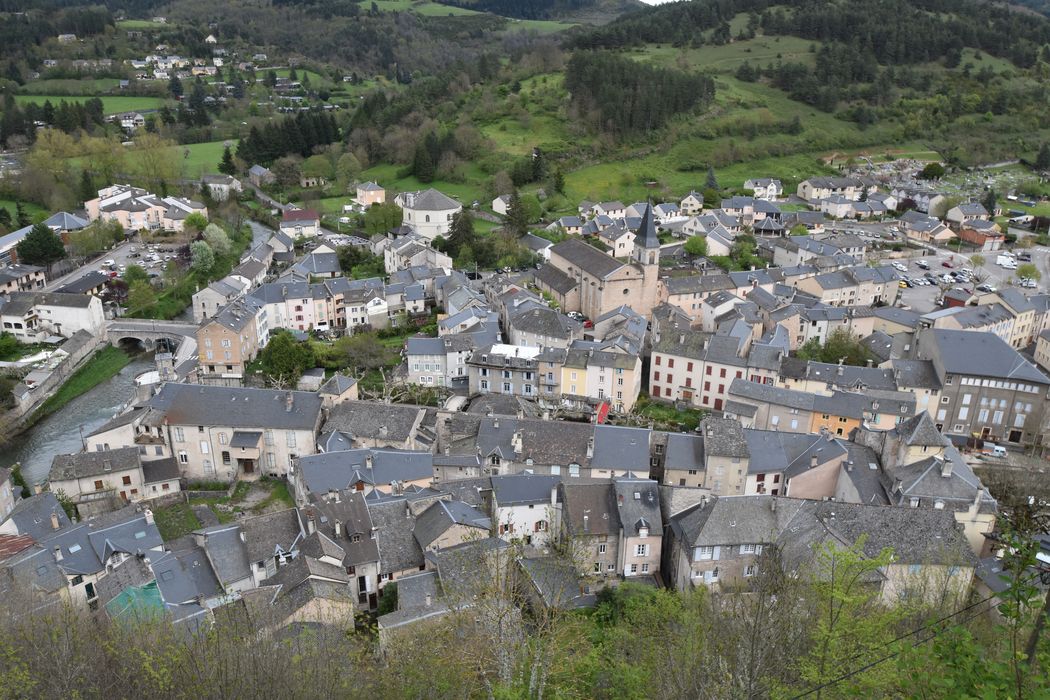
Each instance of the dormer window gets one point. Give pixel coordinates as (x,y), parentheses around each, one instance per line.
(355,539)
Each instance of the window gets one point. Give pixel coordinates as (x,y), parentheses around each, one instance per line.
(183,457)
(641,550)
(204,447)
(222,438)
(702,553)
(179,437)
(209,468)
(634,568)
(601,549)
(225,457)
(645,568)
(597,567)
(98,485)
(750,570)
(290,438)
(268,436)
(126,481)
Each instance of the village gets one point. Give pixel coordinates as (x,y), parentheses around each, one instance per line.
(653,401)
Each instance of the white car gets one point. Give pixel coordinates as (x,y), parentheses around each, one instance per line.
(109,263)
(900,268)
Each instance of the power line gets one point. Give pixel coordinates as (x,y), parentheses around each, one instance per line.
(862,669)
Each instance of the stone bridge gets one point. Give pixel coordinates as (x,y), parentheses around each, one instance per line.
(174,336)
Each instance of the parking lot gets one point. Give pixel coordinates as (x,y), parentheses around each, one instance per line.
(131,253)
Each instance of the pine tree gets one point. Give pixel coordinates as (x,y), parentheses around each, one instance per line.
(989,200)
(422,164)
(1042,161)
(41,246)
(517,219)
(227,166)
(5,218)
(712,181)
(21,215)
(461,233)
(87,188)
(175,86)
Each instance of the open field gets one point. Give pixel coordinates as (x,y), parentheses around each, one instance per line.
(110,105)
(759,51)
(465,192)
(70,86)
(429,9)
(142,24)
(201,158)
(316,79)
(35,211)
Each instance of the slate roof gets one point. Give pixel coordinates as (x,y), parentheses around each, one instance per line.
(546,322)
(350,510)
(32,516)
(370,420)
(270,534)
(724,437)
(589,509)
(85,464)
(335,471)
(523,489)
(978,354)
(432,200)
(442,515)
(191,404)
(398,549)
(337,385)
(557,582)
(85,284)
(638,503)
(227,552)
(620,448)
(587,258)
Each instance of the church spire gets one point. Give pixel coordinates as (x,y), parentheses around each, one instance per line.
(646,236)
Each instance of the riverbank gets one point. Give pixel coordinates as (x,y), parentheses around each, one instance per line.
(103,366)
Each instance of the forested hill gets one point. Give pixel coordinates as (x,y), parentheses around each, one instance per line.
(895,32)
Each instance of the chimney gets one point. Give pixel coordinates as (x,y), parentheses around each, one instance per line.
(368,461)
(516,441)
(619,500)
(586,523)
(448,450)
(812,461)
(495,423)
(147,513)
(311,524)
(841,370)
(681,338)
(773,504)
(58,554)
(289,401)
(428,600)
(54,521)
(871,363)
(338,529)
(590,446)
(946,467)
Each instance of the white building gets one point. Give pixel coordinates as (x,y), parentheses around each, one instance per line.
(428,213)
(526,507)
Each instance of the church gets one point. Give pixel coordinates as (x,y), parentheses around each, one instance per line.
(582,278)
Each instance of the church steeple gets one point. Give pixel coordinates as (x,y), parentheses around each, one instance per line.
(646,242)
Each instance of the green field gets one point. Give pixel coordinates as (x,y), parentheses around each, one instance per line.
(35,211)
(71,86)
(465,192)
(110,105)
(316,79)
(429,9)
(142,24)
(539,26)
(759,51)
(203,158)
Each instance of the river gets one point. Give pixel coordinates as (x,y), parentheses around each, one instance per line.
(60,432)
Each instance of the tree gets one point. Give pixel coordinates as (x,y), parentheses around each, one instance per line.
(317,166)
(87,187)
(141,298)
(5,218)
(156,161)
(202,259)
(363,352)
(175,86)
(194,223)
(931,171)
(799,230)
(217,240)
(227,166)
(696,245)
(41,246)
(21,215)
(1030,271)
(841,345)
(347,168)
(712,181)
(977,260)
(135,273)
(989,200)
(1042,159)
(381,218)
(461,233)
(516,220)
(423,164)
(284,360)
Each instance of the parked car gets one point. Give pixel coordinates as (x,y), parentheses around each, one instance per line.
(922,264)
(897,266)
(947,263)
(1024,257)
(986,288)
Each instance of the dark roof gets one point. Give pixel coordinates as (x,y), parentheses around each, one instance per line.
(523,489)
(85,284)
(555,279)
(587,258)
(371,420)
(557,582)
(270,534)
(442,515)
(978,354)
(85,464)
(724,437)
(335,471)
(356,536)
(160,470)
(589,509)
(192,404)
(394,522)
(646,236)
(227,552)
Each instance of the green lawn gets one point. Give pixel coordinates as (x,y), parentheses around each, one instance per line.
(175,521)
(105,364)
(465,192)
(759,51)
(431,9)
(203,157)
(316,79)
(35,211)
(110,105)
(71,86)
(142,24)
